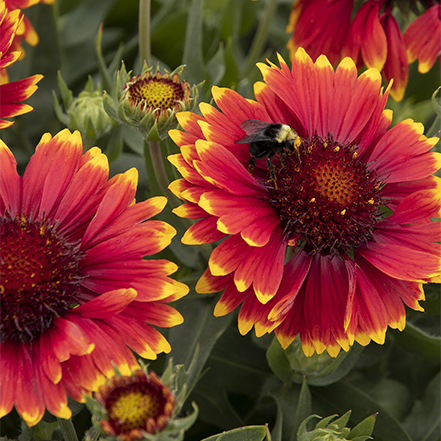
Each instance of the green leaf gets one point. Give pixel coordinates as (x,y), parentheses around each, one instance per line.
(192,58)
(249,433)
(215,407)
(424,421)
(419,342)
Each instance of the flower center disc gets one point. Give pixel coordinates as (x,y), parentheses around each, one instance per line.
(156,93)
(326,197)
(39,277)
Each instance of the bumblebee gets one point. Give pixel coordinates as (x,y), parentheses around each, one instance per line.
(266,140)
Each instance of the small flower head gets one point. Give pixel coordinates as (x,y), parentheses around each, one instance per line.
(150,101)
(142,406)
(135,405)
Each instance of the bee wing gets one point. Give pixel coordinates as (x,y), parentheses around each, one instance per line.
(252,127)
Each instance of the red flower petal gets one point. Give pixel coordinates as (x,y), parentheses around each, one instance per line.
(396,164)
(396,66)
(10,183)
(49,172)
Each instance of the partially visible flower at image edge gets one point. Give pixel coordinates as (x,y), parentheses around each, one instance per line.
(76,294)
(320,27)
(134,406)
(373,38)
(12,94)
(26,31)
(423,38)
(335,244)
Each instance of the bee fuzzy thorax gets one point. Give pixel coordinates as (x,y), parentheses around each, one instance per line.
(285,133)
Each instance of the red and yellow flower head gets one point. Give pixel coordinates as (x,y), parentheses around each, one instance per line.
(331,237)
(76,294)
(25,31)
(372,39)
(12,94)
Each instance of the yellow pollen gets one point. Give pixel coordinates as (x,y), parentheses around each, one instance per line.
(325,144)
(312,200)
(354,155)
(337,149)
(343,212)
(370,201)
(159,94)
(133,409)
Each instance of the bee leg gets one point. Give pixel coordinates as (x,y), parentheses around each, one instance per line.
(282,158)
(251,164)
(272,171)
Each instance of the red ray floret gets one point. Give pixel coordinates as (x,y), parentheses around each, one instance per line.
(396,66)
(366,41)
(308,246)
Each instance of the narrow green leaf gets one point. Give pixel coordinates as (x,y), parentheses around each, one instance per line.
(192,58)
(303,408)
(276,432)
(249,433)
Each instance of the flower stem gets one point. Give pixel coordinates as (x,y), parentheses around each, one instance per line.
(67,429)
(156,169)
(260,35)
(144,32)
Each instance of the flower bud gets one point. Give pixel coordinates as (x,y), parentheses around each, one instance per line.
(150,101)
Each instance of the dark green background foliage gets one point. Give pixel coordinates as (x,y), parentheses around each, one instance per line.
(244,380)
